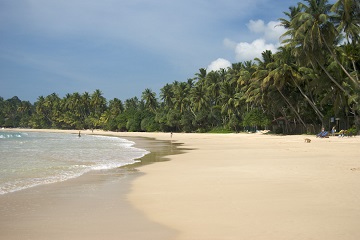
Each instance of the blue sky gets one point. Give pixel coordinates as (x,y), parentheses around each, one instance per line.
(123,47)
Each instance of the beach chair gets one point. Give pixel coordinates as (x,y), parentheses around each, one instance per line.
(323,134)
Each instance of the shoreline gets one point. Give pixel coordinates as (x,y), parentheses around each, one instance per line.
(247,186)
(92,206)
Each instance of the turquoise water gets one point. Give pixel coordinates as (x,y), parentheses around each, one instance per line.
(29,159)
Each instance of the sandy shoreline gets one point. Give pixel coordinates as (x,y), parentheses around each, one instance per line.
(246,186)
(93,206)
(250,186)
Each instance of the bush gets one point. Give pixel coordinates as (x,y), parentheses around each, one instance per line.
(352,131)
(220,130)
(255,118)
(149,125)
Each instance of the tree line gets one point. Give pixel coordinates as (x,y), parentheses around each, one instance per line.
(310,82)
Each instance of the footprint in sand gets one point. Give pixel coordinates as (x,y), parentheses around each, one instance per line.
(355,169)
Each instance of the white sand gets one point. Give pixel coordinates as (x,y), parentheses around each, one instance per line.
(253,186)
(247,187)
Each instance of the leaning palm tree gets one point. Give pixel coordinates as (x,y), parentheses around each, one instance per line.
(285,68)
(303,40)
(347,21)
(269,80)
(318,33)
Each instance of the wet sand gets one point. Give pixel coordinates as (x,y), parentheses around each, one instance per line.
(93,206)
(223,187)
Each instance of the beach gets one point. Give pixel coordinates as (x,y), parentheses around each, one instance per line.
(92,206)
(222,186)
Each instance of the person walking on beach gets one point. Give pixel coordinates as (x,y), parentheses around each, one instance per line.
(333,131)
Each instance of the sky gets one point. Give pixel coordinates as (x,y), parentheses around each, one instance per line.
(123,47)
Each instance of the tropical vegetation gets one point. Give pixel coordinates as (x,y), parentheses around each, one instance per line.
(310,82)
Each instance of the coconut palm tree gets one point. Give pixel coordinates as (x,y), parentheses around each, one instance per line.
(318,34)
(228,101)
(201,75)
(212,83)
(266,74)
(150,99)
(167,95)
(181,96)
(98,103)
(198,96)
(347,19)
(285,68)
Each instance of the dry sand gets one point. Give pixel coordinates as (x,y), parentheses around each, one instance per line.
(251,186)
(237,186)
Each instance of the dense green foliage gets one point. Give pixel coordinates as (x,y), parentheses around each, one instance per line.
(313,78)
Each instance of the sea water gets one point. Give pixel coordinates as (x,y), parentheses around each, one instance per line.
(28,159)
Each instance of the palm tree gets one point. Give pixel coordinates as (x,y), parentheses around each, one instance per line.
(228,101)
(132,103)
(116,107)
(42,113)
(212,83)
(24,107)
(181,96)
(150,99)
(347,19)
(98,103)
(85,103)
(318,34)
(198,97)
(201,75)
(267,75)
(285,68)
(167,94)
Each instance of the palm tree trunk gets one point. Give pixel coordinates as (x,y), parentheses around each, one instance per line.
(292,107)
(192,111)
(332,79)
(317,111)
(338,62)
(355,70)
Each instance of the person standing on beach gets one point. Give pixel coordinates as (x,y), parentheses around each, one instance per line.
(333,131)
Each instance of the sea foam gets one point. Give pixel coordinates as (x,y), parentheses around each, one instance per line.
(32,159)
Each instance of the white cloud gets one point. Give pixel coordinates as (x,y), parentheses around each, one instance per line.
(257,26)
(218,64)
(270,31)
(274,31)
(268,39)
(248,51)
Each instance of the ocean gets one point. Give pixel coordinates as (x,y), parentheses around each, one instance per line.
(29,159)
